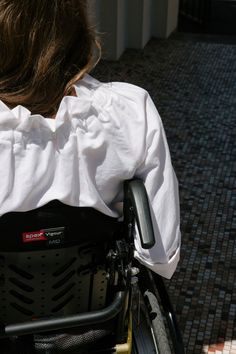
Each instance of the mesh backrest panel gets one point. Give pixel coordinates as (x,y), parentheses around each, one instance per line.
(67,343)
(51,282)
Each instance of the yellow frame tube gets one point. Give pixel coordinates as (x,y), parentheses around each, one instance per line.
(126,348)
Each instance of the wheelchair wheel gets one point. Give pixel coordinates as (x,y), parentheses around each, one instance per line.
(149,330)
(158,327)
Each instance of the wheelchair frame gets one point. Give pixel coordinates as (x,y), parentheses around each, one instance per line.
(120,276)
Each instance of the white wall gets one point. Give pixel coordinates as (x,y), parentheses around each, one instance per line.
(109,17)
(164,17)
(131,23)
(138,22)
(172,16)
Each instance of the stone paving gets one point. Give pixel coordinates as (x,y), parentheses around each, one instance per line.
(193,84)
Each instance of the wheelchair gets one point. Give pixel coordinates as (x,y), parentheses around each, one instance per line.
(69,282)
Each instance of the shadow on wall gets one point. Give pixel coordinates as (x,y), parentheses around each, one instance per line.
(209,16)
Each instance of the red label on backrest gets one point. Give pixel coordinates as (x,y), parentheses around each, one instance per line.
(34,236)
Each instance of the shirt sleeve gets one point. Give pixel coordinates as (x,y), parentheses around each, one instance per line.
(161,184)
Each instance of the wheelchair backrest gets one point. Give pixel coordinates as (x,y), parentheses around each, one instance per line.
(53,261)
(59,261)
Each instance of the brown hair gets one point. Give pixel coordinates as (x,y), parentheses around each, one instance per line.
(45,47)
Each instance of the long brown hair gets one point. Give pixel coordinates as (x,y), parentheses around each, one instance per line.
(45,47)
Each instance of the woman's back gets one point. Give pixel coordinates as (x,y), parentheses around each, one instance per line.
(104,135)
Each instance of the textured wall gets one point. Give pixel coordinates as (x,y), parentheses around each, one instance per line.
(131,23)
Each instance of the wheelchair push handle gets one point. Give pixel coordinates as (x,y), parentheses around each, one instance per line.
(136,203)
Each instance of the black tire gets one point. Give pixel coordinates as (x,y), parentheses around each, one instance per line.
(142,342)
(158,327)
(149,330)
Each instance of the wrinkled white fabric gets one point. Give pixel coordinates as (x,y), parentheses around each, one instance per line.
(107,134)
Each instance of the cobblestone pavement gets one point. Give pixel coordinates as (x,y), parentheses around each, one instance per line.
(193,84)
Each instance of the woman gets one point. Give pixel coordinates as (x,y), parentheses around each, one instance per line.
(66,136)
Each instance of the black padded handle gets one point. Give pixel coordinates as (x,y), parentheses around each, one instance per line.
(135,196)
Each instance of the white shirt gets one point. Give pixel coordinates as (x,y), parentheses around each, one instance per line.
(109,133)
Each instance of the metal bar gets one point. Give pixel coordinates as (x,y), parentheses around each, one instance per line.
(78,320)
